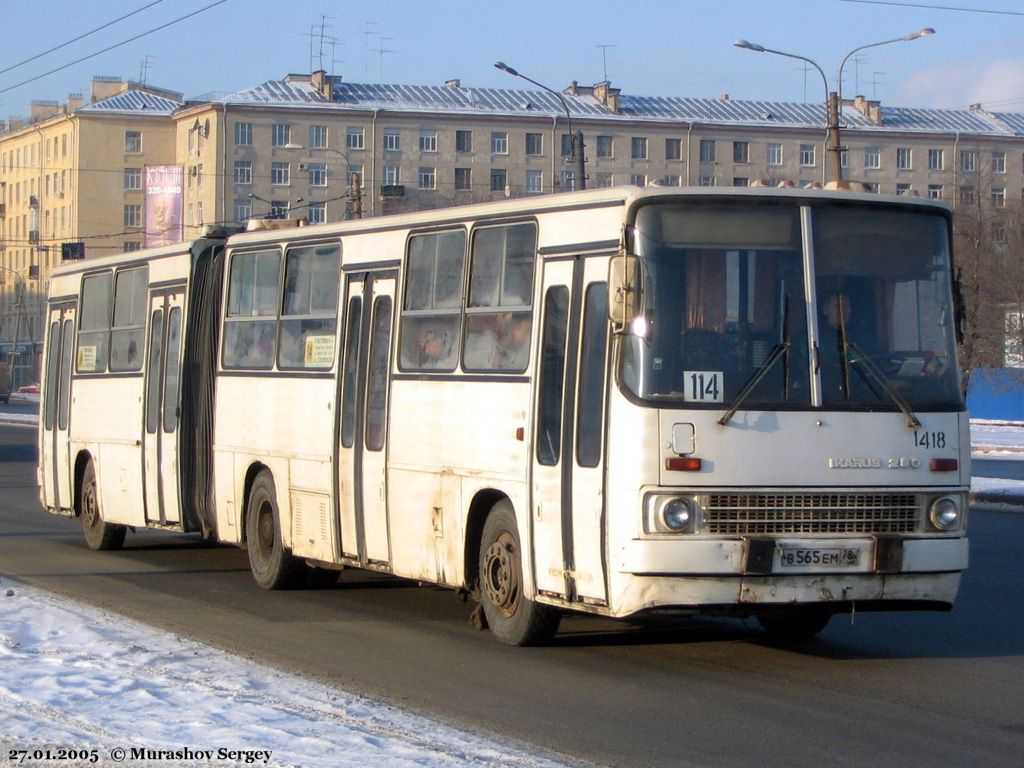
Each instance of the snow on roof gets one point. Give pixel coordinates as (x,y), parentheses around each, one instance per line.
(134,100)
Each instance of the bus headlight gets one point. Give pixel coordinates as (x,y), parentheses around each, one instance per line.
(671,514)
(944,514)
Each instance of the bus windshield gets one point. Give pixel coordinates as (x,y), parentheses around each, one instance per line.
(727,313)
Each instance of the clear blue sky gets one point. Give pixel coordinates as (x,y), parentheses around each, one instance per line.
(659,47)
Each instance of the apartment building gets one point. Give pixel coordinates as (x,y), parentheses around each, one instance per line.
(71,184)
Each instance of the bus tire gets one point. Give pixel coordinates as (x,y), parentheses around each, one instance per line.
(100,536)
(793,625)
(272,566)
(512,617)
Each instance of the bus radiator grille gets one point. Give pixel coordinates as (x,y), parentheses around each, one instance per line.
(811,513)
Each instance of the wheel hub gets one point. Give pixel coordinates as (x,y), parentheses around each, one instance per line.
(501,574)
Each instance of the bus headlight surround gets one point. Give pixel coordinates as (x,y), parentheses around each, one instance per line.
(944,514)
(671,514)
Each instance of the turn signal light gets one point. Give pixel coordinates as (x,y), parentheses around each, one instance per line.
(944,465)
(682,464)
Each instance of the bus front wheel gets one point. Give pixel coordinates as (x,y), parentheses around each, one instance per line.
(99,535)
(512,617)
(272,566)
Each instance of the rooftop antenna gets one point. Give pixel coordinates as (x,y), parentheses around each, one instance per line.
(144,68)
(366,48)
(874,84)
(604,58)
(382,50)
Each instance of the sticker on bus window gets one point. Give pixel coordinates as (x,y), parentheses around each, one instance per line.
(703,386)
(86,359)
(319,352)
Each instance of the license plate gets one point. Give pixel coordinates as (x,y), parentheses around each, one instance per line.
(827,558)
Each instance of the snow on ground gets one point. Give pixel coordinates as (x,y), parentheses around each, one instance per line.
(73,676)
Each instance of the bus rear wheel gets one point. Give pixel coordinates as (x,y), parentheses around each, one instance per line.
(100,536)
(272,566)
(512,617)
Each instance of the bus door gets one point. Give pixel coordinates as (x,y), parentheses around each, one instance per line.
(55,458)
(568,460)
(362,429)
(163,410)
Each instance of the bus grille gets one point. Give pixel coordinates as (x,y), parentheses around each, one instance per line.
(813,513)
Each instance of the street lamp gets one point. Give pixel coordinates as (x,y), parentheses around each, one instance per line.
(354,181)
(578,153)
(834,99)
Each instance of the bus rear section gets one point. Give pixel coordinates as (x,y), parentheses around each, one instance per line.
(786,432)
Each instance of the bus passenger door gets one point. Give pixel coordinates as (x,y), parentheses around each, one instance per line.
(162,413)
(568,461)
(55,459)
(364,390)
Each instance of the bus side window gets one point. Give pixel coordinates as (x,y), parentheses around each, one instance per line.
(128,334)
(250,325)
(94,325)
(432,310)
(309,313)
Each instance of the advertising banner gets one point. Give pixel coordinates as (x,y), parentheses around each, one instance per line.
(164,204)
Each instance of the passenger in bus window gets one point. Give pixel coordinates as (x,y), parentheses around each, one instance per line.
(513,348)
(434,349)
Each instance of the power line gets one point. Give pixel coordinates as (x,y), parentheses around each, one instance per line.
(80,37)
(934,7)
(112,47)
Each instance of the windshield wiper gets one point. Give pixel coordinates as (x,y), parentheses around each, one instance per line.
(780,350)
(864,365)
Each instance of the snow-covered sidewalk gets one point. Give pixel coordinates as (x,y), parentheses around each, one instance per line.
(76,678)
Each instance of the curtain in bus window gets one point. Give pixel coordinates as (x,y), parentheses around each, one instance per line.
(552,373)
(94,324)
(250,327)
(432,312)
(377,386)
(310,309)
(127,337)
(498,316)
(885,314)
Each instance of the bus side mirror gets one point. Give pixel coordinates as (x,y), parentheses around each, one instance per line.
(624,276)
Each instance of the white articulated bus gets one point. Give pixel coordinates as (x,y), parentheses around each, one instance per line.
(733,401)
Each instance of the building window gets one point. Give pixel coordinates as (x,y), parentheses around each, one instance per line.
(463,141)
(605,146)
(280,209)
(638,148)
(499,179)
(426,178)
(872,157)
(243,210)
(535,144)
(280,135)
(638,180)
(902,189)
(317,213)
(707,150)
(904,159)
(132,215)
(935,159)
(318,174)
(129,246)
(463,179)
(280,174)
(243,171)
(392,139)
(132,178)
(499,143)
(673,149)
(392,175)
(354,138)
(740,152)
(998,162)
(774,154)
(132,142)
(968,160)
(935,191)
(740,181)
(998,197)
(706,181)
(243,134)
(534,182)
(567,145)
(318,137)
(967,196)
(807,155)
(672,180)
(428,143)
(199,213)
(605,179)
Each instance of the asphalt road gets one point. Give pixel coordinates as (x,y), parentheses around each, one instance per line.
(889,690)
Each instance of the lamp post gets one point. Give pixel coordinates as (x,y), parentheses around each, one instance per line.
(834,99)
(578,157)
(355,194)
